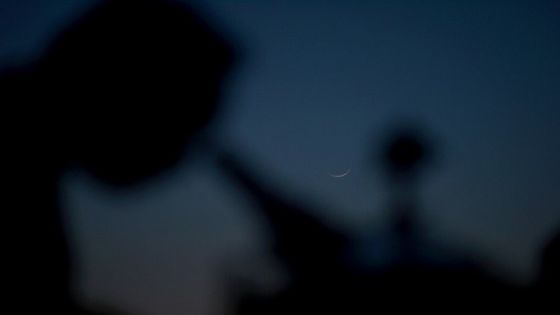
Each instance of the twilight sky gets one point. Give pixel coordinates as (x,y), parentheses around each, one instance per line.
(321,82)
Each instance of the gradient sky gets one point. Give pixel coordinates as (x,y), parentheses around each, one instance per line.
(321,83)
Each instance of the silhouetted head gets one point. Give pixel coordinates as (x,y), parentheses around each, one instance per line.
(405,152)
(130,84)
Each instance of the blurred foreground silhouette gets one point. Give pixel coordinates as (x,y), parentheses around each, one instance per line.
(122,93)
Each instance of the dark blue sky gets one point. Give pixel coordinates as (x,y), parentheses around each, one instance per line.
(321,82)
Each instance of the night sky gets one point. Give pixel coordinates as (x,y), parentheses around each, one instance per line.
(321,83)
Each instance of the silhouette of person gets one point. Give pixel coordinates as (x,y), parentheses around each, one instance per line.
(122,93)
(404,155)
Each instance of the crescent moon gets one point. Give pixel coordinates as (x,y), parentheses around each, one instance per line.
(341,175)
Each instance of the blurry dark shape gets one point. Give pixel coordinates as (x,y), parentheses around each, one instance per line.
(139,79)
(550,268)
(405,152)
(329,274)
(548,282)
(550,272)
(403,156)
(122,92)
(416,267)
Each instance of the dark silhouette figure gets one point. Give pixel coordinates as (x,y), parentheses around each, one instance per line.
(122,92)
(403,157)
(430,273)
